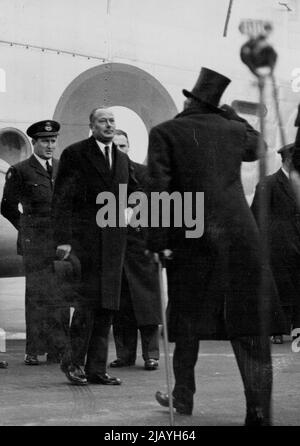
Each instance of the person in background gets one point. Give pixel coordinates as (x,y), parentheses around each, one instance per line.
(284,237)
(139,304)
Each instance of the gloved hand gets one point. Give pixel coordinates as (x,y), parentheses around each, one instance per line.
(164,255)
(229,113)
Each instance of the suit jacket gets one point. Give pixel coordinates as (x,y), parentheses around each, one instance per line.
(214,280)
(28,184)
(284,234)
(82,175)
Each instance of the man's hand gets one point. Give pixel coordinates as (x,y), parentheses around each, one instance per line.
(166,254)
(63,251)
(229,112)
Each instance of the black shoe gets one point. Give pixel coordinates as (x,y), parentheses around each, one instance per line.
(53,359)
(151,364)
(3,365)
(74,373)
(120,363)
(31,360)
(180,407)
(255,417)
(106,379)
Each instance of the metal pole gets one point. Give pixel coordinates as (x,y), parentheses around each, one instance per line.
(227,18)
(276,101)
(163,299)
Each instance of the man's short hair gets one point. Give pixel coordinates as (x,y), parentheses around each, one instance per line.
(93,112)
(121,132)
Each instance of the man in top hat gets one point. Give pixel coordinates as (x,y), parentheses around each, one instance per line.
(284,237)
(26,204)
(213,281)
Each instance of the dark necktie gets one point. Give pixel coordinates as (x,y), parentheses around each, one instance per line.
(106,149)
(49,168)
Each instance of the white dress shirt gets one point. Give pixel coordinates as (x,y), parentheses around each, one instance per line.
(286,173)
(42,161)
(102,148)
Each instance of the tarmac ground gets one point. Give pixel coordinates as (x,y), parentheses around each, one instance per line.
(41,396)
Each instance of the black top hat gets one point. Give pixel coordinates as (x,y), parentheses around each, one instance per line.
(286,147)
(43,129)
(209,87)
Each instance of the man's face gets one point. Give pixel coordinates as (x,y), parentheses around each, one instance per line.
(121,143)
(44,147)
(103,126)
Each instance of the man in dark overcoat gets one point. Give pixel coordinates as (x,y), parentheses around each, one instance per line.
(213,280)
(284,237)
(140,301)
(29,184)
(87,169)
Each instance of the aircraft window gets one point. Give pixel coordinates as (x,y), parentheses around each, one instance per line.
(14,147)
(247,108)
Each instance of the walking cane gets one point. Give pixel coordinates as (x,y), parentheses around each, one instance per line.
(163,299)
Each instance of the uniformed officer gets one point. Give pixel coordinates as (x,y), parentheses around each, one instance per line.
(26,204)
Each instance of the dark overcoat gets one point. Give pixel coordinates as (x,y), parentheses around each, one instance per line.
(141,272)
(284,235)
(82,175)
(213,280)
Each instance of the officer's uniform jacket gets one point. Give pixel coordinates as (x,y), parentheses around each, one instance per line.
(26,204)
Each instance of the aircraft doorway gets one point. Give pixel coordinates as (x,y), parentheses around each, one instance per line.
(111,84)
(14,147)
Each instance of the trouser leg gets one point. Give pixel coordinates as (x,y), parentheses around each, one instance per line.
(58,322)
(184,361)
(296,315)
(288,313)
(253,355)
(35,316)
(58,339)
(125,326)
(80,331)
(150,342)
(125,336)
(98,344)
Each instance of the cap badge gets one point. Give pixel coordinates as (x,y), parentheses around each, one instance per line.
(48,127)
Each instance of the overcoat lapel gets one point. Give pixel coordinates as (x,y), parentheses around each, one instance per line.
(96,158)
(38,167)
(285,184)
(118,168)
